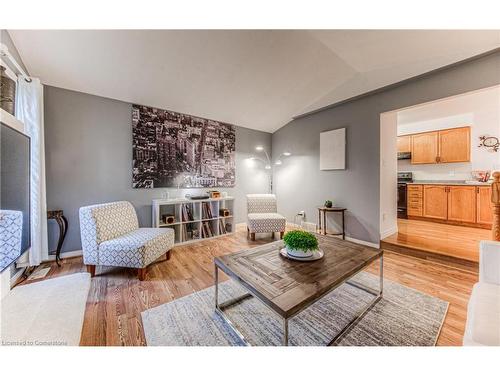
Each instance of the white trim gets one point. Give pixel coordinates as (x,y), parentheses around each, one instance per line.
(12,121)
(9,71)
(66,254)
(16,276)
(52,257)
(4,53)
(388,232)
(361,242)
(23,260)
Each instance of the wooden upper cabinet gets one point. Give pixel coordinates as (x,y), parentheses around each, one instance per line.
(484,214)
(435,202)
(454,145)
(424,148)
(404,143)
(441,146)
(462,203)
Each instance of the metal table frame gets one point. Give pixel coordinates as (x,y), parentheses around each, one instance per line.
(220,307)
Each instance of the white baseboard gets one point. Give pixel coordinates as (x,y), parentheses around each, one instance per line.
(388,232)
(361,242)
(67,254)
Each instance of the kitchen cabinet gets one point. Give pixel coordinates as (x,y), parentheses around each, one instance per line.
(454,145)
(484,207)
(435,204)
(441,146)
(462,203)
(424,148)
(404,143)
(455,204)
(414,200)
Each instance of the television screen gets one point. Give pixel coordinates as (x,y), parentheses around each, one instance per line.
(14,195)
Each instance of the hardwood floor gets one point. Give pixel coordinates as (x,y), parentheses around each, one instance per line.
(443,239)
(117,297)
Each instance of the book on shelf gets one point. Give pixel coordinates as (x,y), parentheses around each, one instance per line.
(187,213)
(207,210)
(206,230)
(222,227)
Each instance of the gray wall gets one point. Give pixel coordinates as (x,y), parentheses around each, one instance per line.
(300,185)
(88,146)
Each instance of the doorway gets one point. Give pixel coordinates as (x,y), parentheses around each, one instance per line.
(432,164)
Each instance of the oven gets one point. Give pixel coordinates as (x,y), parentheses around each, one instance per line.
(403,179)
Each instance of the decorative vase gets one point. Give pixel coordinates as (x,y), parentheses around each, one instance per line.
(299,253)
(7,91)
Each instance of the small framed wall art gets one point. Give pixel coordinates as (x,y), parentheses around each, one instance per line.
(332,149)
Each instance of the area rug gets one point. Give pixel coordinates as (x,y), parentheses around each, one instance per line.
(48,312)
(403,317)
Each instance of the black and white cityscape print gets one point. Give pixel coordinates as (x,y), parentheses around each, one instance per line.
(172,149)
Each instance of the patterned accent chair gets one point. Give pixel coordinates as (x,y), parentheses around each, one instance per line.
(262,215)
(11,231)
(111,237)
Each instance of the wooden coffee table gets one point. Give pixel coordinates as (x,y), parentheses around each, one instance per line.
(288,287)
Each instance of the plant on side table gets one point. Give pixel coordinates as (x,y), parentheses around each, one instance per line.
(300,244)
(328,204)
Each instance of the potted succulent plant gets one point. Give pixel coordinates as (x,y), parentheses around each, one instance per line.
(328,204)
(300,244)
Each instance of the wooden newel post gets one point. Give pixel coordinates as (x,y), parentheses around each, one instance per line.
(495,200)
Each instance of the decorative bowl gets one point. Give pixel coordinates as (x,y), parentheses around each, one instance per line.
(299,253)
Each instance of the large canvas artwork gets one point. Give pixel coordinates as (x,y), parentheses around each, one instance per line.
(173,149)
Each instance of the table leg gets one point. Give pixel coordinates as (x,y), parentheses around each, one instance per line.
(324,222)
(381,275)
(62,222)
(285,332)
(319,221)
(216,276)
(343,226)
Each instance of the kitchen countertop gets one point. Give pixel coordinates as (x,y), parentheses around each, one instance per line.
(449,182)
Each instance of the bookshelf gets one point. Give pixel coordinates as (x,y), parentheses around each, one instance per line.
(194,220)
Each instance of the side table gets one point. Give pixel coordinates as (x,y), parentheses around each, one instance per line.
(61,220)
(322,211)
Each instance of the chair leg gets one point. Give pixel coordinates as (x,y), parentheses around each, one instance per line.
(281,235)
(91,269)
(141,273)
(169,254)
(248,232)
(252,236)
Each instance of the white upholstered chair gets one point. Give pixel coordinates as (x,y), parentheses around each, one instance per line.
(263,216)
(111,237)
(483,312)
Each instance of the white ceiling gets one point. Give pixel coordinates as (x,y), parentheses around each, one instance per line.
(258,79)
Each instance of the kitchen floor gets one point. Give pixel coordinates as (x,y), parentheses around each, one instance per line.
(446,240)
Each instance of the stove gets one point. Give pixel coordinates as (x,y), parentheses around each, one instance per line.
(403,179)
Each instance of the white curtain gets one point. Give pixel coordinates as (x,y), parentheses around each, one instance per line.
(29,110)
